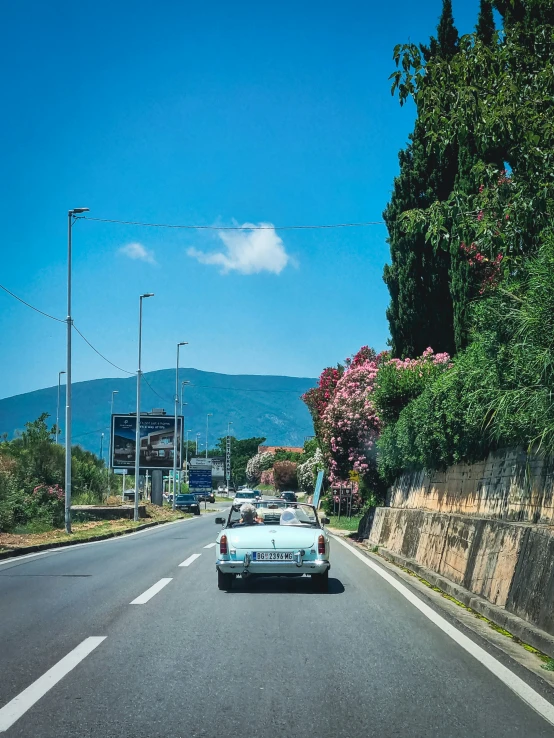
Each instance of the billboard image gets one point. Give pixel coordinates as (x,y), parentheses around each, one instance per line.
(156,441)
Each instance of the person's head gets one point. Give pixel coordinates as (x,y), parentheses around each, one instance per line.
(248,513)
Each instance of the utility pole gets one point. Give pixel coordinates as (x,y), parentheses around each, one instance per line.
(176,440)
(137,434)
(58,410)
(69,320)
(108,465)
(208,416)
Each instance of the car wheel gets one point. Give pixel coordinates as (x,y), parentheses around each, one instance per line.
(224,581)
(321,581)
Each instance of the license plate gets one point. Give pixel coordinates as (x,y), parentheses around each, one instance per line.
(272,556)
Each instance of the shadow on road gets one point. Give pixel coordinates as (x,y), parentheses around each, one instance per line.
(280,585)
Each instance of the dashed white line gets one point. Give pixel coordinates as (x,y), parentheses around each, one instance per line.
(511,680)
(211,545)
(154,589)
(188,562)
(26,699)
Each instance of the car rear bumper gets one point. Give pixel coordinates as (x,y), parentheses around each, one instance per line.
(275,568)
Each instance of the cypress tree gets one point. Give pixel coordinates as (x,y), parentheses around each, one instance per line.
(420,313)
(485,28)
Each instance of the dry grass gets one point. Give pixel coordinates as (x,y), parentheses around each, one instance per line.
(89,530)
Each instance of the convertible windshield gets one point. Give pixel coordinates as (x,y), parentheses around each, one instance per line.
(278,512)
(246,495)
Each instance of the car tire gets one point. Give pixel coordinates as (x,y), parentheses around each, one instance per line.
(321,581)
(224,581)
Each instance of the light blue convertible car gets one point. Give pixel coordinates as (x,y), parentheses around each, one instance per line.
(288,540)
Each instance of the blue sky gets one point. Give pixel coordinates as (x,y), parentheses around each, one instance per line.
(211,113)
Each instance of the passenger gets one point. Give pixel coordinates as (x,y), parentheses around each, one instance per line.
(249,515)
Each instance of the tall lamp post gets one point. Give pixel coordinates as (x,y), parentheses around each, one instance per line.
(187,456)
(58,410)
(137,434)
(197,437)
(208,416)
(176,443)
(183,384)
(71,216)
(108,465)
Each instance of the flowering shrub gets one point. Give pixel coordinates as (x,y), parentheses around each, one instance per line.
(267,478)
(487,270)
(400,381)
(285,475)
(307,472)
(256,465)
(46,503)
(349,423)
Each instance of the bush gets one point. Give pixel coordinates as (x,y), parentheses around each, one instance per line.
(285,475)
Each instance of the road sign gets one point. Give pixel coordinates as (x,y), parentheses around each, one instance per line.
(200,481)
(317,492)
(228,461)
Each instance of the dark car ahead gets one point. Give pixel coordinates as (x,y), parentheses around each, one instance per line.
(289,496)
(187,503)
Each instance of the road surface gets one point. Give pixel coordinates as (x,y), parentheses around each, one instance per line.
(271,658)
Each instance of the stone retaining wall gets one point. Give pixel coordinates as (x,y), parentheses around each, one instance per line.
(510,564)
(508,485)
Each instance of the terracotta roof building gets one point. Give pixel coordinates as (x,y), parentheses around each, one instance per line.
(273,449)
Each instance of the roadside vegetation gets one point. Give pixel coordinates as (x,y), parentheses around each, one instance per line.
(471,279)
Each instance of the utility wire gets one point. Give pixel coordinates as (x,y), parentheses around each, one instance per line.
(125,371)
(59,320)
(156,392)
(235,228)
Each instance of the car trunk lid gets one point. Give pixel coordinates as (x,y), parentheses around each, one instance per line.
(268,537)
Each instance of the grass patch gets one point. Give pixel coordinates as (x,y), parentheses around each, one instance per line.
(33,535)
(344,523)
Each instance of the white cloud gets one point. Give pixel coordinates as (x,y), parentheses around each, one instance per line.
(247,251)
(139,252)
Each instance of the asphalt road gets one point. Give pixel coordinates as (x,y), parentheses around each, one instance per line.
(271,658)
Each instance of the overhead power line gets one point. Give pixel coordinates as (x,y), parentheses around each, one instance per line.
(125,371)
(236,228)
(28,304)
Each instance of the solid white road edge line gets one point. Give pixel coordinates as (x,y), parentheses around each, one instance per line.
(124,536)
(211,545)
(188,562)
(26,699)
(511,680)
(154,589)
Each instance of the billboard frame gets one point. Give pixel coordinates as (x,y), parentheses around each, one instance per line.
(159,425)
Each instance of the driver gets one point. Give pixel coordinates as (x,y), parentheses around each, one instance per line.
(249,515)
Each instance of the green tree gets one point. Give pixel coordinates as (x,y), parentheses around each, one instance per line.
(241,451)
(485,28)
(420,313)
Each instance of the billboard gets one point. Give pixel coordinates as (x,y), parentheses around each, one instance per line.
(156,441)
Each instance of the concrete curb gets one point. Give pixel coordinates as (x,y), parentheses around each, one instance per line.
(14,552)
(518,627)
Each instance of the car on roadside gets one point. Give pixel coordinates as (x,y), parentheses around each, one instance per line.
(187,503)
(205,496)
(291,541)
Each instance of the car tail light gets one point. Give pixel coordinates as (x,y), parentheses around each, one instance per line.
(223,545)
(321,545)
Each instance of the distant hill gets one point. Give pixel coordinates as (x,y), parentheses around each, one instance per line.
(257,405)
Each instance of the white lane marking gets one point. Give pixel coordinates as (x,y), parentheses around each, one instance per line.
(188,562)
(26,699)
(511,680)
(154,589)
(211,545)
(123,537)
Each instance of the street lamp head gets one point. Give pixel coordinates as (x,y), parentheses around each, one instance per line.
(183,343)
(147,294)
(76,211)
(61,372)
(115,392)
(209,415)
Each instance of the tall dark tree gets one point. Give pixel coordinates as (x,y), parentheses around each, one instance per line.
(486,28)
(420,313)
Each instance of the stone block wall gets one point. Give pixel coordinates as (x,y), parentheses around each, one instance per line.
(509,485)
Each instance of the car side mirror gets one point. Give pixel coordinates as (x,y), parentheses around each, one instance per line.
(325,521)
(220,521)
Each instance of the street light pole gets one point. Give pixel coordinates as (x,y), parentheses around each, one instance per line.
(137,432)
(101,447)
(58,410)
(108,465)
(208,416)
(183,383)
(197,437)
(69,320)
(187,457)
(175,441)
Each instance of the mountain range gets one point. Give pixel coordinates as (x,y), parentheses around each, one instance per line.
(257,405)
